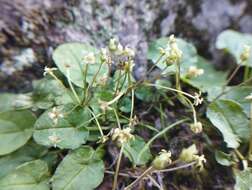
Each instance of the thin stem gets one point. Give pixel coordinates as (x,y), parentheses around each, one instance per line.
(97,122)
(171,89)
(160,134)
(246,72)
(224,92)
(176,168)
(117,168)
(155,182)
(178,76)
(117,118)
(231,76)
(132,103)
(85,83)
(250,142)
(147,171)
(72,88)
(148,72)
(193,110)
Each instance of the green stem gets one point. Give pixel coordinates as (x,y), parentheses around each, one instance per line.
(160,134)
(117,168)
(97,122)
(146,172)
(250,142)
(246,72)
(171,89)
(72,88)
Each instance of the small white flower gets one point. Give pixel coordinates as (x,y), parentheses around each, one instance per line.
(48,70)
(249,97)
(89,58)
(198,99)
(193,71)
(200,160)
(55,115)
(54,139)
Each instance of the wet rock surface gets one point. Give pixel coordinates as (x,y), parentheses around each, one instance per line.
(29,30)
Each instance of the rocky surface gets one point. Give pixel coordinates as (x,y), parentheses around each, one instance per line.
(30,29)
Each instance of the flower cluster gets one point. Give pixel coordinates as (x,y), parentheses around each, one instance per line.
(89,58)
(172,53)
(122,136)
(196,127)
(190,155)
(162,160)
(55,115)
(245,53)
(54,139)
(193,72)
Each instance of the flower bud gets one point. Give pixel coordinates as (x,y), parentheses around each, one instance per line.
(196,127)
(162,160)
(193,71)
(89,58)
(245,53)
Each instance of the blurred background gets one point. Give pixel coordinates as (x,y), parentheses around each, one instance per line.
(31,29)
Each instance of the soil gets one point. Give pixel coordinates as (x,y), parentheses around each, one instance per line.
(30,29)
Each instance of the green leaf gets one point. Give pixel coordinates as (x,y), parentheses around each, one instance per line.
(69,57)
(234,42)
(28,176)
(232,122)
(209,79)
(125,104)
(27,153)
(235,93)
(80,169)
(145,94)
(189,56)
(223,158)
(133,148)
(10,102)
(15,130)
(70,129)
(48,92)
(243,179)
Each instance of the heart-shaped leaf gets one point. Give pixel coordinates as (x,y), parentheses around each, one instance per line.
(15,130)
(29,152)
(232,122)
(234,42)
(69,58)
(209,79)
(133,148)
(11,102)
(81,169)
(28,176)
(67,130)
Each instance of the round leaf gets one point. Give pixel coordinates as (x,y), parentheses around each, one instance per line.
(234,42)
(15,130)
(69,131)
(28,176)
(133,148)
(232,122)
(69,58)
(80,169)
